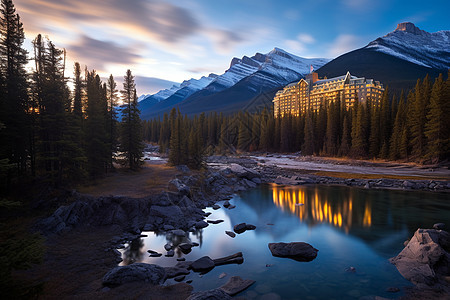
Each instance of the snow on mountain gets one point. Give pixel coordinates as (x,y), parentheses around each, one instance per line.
(166,93)
(183,90)
(275,68)
(417,46)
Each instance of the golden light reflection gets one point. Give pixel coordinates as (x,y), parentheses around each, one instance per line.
(317,208)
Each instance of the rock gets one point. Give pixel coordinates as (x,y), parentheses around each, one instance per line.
(181,259)
(178,232)
(167,227)
(408,184)
(156,255)
(183,168)
(425,259)
(439,226)
(151,251)
(240,228)
(350,270)
(214,221)
(216,294)
(170,253)
(232,206)
(230,233)
(176,186)
(195,244)
(226,204)
(392,289)
(167,247)
(256,180)
(298,251)
(179,278)
(189,281)
(172,272)
(236,285)
(185,247)
(203,264)
(222,275)
(243,172)
(148,273)
(201,224)
(250,227)
(215,207)
(236,258)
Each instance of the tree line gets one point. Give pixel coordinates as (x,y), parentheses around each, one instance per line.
(48,131)
(415,127)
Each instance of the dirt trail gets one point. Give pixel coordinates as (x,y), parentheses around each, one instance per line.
(151,179)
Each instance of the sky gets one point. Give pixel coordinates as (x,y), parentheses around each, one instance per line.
(169,41)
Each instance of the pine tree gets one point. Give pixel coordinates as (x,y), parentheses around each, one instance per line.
(359,133)
(435,131)
(418,118)
(375,139)
(112,117)
(195,149)
(131,131)
(14,138)
(308,145)
(344,148)
(397,130)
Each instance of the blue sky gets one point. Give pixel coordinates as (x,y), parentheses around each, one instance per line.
(169,41)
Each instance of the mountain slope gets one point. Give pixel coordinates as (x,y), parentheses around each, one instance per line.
(398,59)
(178,92)
(408,42)
(245,79)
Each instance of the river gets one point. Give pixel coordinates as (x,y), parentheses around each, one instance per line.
(353,229)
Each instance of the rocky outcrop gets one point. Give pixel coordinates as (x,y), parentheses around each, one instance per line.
(425,261)
(298,251)
(242,227)
(216,294)
(152,274)
(236,285)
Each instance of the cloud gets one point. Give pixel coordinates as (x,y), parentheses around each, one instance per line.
(224,40)
(299,45)
(306,38)
(160,21)
(344,43)
(151,84)
(96,53)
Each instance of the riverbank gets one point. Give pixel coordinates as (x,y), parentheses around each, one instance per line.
(294,170)
(100,223)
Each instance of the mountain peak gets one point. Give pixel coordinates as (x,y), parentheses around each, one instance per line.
(410,28)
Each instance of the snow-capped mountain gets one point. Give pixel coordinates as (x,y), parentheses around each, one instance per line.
(246,78)
(397,59)
(410,43)
(181,91)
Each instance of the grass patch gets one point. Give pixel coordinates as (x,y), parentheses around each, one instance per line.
(345,175)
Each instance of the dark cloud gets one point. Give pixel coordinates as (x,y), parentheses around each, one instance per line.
(151,85)
(163,21)
(144,85)
(97,53)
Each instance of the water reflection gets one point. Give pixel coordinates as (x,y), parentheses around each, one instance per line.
(133,252)
(313,206)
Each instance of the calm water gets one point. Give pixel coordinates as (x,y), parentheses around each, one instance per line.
(351,228)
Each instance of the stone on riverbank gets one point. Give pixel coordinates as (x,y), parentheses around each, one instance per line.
(216,294)
(148,273)
(425,261)
(298,251)
(236,285)
(230,233)
(203,264)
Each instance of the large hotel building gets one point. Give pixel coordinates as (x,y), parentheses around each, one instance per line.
(310,93)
